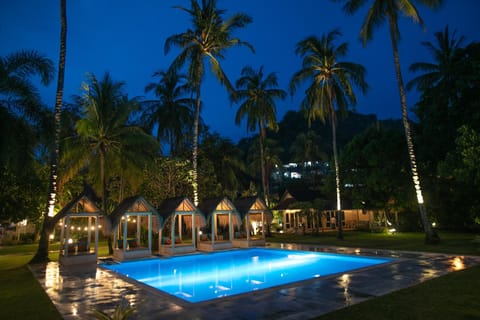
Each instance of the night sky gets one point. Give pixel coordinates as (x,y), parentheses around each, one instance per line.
(127,39)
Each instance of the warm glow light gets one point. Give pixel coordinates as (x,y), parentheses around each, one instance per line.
(85,229)
(92,228)
(457,263)
(52,236)
(72,228)
(70,241)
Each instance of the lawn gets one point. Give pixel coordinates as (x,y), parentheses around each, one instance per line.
(454,296)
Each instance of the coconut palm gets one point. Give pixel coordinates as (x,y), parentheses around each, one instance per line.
(443,72)
(172,113)
(306,147)
(390,11)
(256,94)
(106,142)
(208,39)
(42,252)
(18,94)
(225,158)
(330,84)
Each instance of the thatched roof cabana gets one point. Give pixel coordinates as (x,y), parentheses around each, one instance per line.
(78,219)
(134,220)
(222,216)
(181,221)
(255,216)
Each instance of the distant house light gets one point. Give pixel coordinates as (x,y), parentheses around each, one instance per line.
(296,175)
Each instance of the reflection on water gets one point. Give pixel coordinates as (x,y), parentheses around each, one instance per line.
(458,263)
(53,279)
(344,283)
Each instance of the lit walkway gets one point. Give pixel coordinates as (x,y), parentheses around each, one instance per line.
(76,292)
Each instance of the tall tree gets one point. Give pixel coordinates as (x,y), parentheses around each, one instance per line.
(172,113)
(256,94)
(106,141)
(306,147)
(438,82)
(18,94)
(442,72)
(225,157)
(390,11)
(208,39)
(48,225)
(330,84)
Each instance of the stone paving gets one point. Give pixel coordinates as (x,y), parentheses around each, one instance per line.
(77,291)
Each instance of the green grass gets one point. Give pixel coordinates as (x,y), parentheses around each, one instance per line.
(454,296)
(451,243)
(22,296)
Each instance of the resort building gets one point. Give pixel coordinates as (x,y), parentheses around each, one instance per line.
(300,212)
(181,224)
(133,222)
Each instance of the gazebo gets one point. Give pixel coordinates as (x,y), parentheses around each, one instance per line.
(222,216)
(255,217)
(181,221)
(79,222)
(133,222)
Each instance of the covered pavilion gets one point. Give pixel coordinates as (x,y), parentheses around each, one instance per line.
(255,218)
(181,222)
(222,217)
(133,222)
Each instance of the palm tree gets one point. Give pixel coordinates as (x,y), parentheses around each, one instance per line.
(330,84)
(42,252)
(443,72)
(227,163)
(106,142)
(256,94)
(172,113)
(306,147)
(18,95)
(209,38)
(390,10)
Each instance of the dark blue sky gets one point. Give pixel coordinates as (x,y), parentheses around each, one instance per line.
(126,38)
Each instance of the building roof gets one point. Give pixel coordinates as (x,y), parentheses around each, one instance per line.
(84,203)
(218,205)
(252,204)
(135,204)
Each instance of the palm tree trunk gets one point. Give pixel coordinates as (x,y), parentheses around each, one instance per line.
(337,177)
(42,251)
(195,147)
(430,235)
(104,193)
(262,162)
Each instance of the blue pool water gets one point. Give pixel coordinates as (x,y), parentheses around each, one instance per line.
(202,277)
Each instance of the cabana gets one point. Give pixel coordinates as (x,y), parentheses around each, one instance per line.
(255,218)
(132,223)
(181,221)
(222,216)
(79,221)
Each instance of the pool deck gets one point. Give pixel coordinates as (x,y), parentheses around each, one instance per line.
(76,291)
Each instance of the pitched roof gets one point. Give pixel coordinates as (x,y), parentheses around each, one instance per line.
(131,204)
(211,206)
(246,205)
(174,205)
(82,203)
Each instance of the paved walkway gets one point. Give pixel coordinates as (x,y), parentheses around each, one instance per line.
(77,291)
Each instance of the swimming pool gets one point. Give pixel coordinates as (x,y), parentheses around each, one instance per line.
(202,277)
